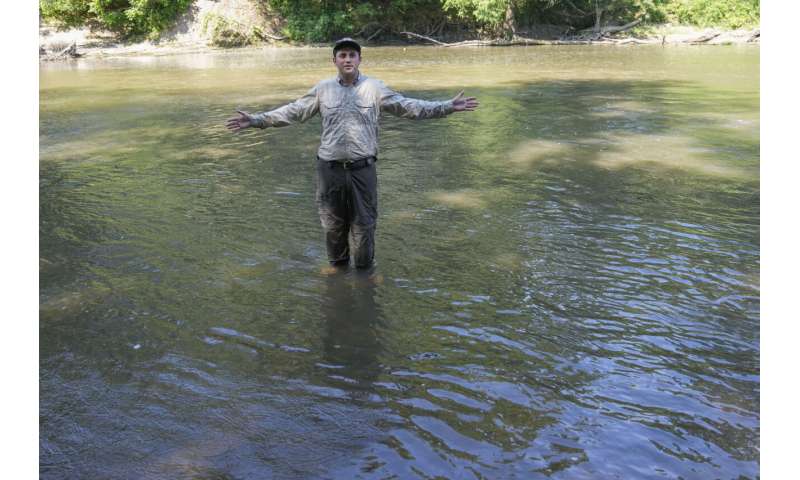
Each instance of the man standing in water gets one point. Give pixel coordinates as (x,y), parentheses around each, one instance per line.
(350,105)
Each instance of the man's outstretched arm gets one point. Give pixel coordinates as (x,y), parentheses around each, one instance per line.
(413,108)
(300,110)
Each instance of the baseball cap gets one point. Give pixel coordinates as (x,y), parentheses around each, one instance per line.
(346,42)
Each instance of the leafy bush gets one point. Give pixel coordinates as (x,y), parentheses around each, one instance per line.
(69,13)
(490,13)
(723,13)
(491,16)
(322,21)
(319,21)
(129,18)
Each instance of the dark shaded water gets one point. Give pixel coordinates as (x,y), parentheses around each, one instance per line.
(567,281)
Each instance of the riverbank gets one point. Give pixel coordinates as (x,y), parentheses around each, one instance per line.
(190,37)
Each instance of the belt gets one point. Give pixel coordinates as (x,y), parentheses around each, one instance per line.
(351,164)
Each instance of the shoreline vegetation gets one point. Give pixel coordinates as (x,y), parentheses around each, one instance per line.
(71,29)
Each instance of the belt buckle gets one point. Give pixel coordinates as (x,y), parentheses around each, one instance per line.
(347,164)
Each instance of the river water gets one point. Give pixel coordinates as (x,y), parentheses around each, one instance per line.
(567,280)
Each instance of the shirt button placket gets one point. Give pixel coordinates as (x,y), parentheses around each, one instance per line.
(348,102)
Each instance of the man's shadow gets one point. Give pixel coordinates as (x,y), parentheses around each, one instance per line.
(352,342)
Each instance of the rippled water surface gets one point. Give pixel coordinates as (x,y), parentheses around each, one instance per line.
(567,282)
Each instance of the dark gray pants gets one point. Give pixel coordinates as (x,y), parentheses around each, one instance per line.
(347,200)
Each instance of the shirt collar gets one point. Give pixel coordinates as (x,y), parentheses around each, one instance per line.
(355,82)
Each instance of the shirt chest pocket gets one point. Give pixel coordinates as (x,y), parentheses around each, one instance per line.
(330,106)
(365,109)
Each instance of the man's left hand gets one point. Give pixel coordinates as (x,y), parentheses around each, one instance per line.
(461,104)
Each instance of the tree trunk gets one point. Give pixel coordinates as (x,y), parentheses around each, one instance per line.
(598,14)
(627,26)
(509,24)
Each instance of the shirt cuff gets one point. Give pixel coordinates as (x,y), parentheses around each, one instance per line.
(448,107)
(259,121)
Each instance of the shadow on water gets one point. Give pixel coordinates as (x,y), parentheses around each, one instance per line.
(571,291)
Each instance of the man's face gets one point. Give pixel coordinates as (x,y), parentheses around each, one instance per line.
(347,61)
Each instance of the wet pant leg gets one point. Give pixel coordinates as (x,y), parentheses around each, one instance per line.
(348,209)
(333,210)
(365,215)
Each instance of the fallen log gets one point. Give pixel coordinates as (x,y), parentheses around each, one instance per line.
(577,40)
(517,40)
(366,28)
(622,28)
(71,51)
(594,34)
(66,53)
(423,37)
(636,41)
(272,37)
(260,33)
(377,32)
(704,38)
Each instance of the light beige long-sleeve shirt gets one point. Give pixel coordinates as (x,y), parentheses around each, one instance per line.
(350,115)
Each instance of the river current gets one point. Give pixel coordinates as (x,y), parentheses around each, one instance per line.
(567,279)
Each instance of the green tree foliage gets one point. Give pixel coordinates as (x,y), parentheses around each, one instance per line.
(320,20)
(581,14)
(323,20)
(723,13)
(69,13)
(486,12)
(126,17)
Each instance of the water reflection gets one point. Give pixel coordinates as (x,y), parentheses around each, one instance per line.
(351,338)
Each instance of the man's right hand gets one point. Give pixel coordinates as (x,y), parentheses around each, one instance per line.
(241,122)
